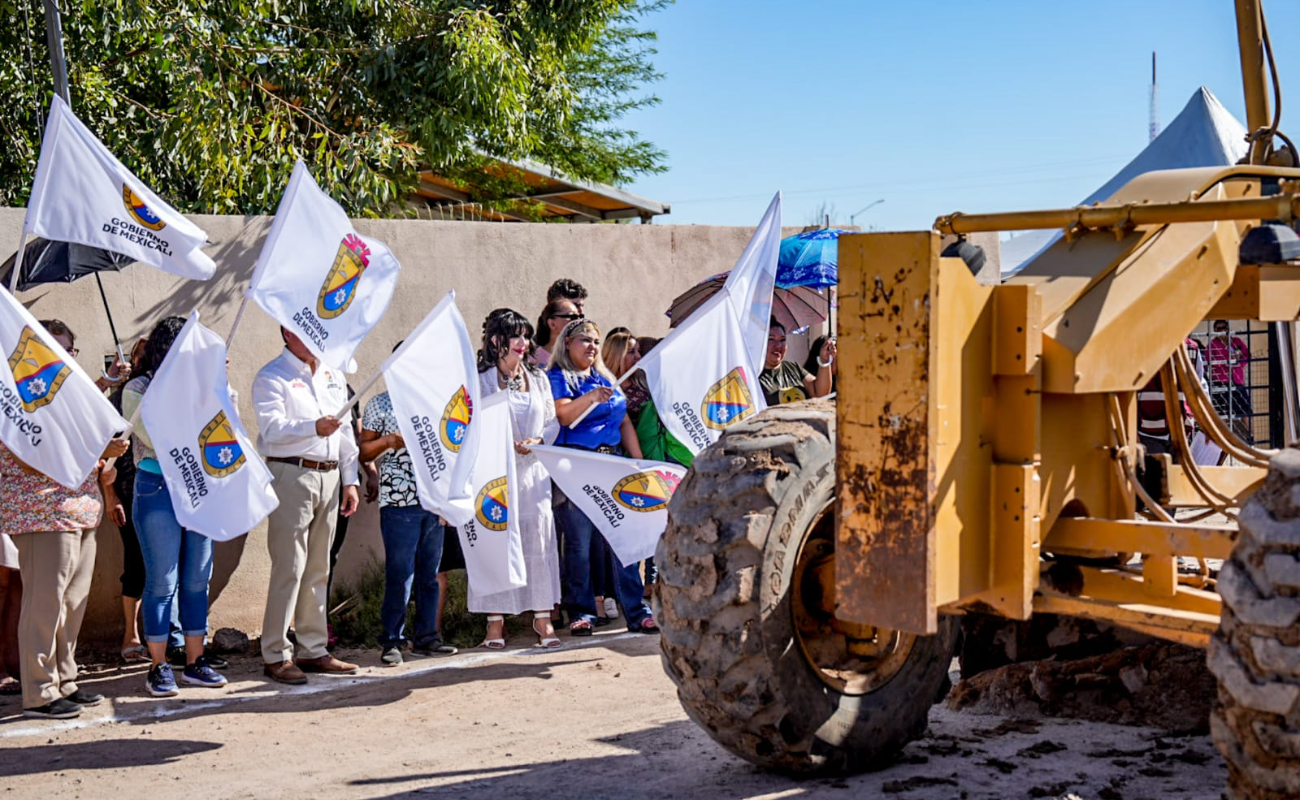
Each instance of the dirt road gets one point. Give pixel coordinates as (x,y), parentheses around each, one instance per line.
(595,719)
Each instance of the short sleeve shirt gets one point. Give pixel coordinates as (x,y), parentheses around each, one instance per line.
(602,427)
(396,473)
(32,502)
(783,383)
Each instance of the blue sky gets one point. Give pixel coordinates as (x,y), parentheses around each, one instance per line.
(935,107)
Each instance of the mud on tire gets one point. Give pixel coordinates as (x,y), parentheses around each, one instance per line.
(1256,652)
(736,527)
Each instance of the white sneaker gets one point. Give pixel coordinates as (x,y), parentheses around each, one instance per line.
(611,608)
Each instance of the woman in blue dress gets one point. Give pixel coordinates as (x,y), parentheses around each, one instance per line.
(582,385)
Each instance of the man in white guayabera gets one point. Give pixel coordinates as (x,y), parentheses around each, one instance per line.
(306,450)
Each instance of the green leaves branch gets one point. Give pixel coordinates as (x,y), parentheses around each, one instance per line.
(212,101)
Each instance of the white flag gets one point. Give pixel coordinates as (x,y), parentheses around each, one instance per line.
(490,540)
(318,277)
(701,376)
(52,415)
(626,499)
(219,486)
(83,194)
(753,278)
(433,382)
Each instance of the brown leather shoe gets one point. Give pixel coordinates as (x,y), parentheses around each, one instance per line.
(284,672)
(327,665)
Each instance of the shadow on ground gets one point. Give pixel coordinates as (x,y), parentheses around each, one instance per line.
(249,690)
(643,771)
(1009,758)
(96,755)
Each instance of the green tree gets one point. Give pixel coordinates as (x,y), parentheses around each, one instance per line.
(212,101)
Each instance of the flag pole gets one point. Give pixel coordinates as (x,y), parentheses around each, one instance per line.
(117,343)
(54,40)
(18,258)
(356,395)
(239,317)
(591,408)
(59,71)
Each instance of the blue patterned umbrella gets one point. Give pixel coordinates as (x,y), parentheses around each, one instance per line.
(810,259)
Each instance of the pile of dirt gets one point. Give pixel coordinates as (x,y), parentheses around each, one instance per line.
(1159,684)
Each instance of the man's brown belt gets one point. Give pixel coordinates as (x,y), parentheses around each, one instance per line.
(306,463)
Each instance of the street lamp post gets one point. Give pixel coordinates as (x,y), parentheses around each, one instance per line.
(863,210)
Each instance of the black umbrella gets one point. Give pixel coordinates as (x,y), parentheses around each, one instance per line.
(45,261)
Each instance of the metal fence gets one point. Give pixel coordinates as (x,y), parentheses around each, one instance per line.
(1241,374)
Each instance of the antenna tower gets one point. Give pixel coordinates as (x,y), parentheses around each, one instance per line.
(1153,124)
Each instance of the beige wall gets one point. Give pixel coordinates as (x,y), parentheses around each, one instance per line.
(632,272)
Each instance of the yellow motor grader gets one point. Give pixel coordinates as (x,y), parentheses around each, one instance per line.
(982,456)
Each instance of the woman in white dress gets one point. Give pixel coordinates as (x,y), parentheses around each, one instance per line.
(503,364)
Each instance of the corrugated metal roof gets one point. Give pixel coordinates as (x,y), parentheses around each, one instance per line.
(554,194)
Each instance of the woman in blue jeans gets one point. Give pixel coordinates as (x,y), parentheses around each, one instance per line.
(177,562)
(582,385)
(413,539)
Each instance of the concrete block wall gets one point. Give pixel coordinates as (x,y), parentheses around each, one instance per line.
(633,272)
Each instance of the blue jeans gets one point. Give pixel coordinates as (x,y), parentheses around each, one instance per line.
(603,568)
(175,640)
(177,563)
(412,555)
(579,594)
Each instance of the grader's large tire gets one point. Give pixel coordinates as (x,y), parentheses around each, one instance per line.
(1256,652)
(742,603)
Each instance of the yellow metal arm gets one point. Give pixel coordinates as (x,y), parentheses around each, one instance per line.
(1283,207)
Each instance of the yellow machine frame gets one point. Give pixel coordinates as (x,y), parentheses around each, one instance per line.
(981,427)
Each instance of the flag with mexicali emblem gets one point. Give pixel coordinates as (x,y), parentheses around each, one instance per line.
(318,277)
(626,499)
(219,486)
(83,194)
(701,375)
(491,539)
(52,415)
(432,381)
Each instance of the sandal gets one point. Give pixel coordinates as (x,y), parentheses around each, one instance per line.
(580,627)
(647,625)
(543,640)
(495,644)
(10,686)
(134,654)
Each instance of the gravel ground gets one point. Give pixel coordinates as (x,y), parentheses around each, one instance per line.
(594,719)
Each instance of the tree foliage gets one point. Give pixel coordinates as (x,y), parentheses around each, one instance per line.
(212,101)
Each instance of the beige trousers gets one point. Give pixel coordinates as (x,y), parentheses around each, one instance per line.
(298,536)
(56,567)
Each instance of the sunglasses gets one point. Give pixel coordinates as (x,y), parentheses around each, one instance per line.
(566,316)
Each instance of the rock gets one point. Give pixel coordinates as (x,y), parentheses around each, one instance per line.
(916,782)
(1133,678)
(1161,685)
(1040,749)
(229,640)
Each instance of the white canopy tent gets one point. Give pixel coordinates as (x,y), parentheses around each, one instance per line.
(1203,134)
